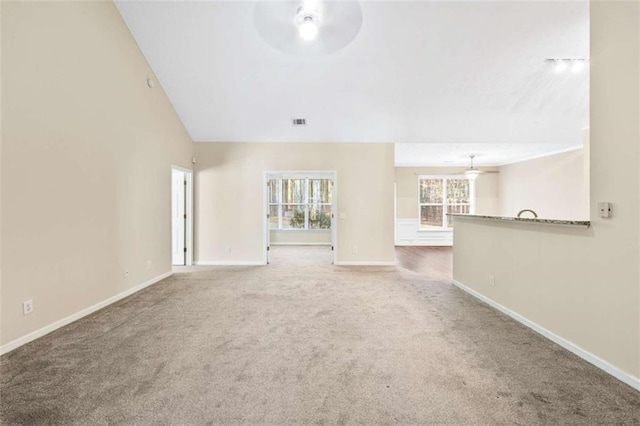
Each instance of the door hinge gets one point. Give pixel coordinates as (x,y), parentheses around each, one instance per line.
(268,215)
(185,215)
(185,183)
(331,248)
(268,248)
(185,249)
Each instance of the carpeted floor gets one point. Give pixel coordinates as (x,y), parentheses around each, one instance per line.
(301,341)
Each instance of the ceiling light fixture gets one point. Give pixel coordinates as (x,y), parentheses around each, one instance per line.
(578,66)
(307,21)
(560,65)
(472,173)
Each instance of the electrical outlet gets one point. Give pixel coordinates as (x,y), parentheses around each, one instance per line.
(27,307)
(148,264)
(126,273)
(355,249)
(228,250)
(492,281)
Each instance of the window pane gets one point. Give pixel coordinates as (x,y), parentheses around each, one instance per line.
(431,216)
(319,217)
(292,191)
(273,190)
(462,208)
(292,217)
(431,190)
(273,216)
(320,191)
(457,191)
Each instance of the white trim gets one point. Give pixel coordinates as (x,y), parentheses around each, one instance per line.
(490,165)
(8,347)
(546,154)
(266,235)
(229,263)
(630,380)
(409,233)
(363,263)
(303,231)
(181,169)
(189,212)
(301,244)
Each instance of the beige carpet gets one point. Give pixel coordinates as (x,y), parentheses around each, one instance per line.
(298,342)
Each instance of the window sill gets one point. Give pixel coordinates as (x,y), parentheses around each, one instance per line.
(314,231)
(435,229)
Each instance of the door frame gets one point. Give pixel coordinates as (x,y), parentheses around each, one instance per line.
(188,210)
(322,174)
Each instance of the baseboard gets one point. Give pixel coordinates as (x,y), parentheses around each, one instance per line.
(299,244)
(229,263)
(423,244)
(630,380)
(363,263)
(83,313)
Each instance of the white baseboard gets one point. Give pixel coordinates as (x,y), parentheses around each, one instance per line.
(632,381)
(363,263)
(8,347)
(299,244)
(414,243)
(229,263)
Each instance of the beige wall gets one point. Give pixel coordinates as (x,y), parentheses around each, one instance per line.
(582,285)
(229,198)
(407,189)
(553,186)
(87,149)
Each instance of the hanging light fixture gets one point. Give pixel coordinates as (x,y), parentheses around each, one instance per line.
(472,173)
(308,21)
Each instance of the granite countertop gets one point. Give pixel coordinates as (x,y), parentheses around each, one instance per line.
(577,223)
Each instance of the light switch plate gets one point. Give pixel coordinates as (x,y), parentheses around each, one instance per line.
(604,210)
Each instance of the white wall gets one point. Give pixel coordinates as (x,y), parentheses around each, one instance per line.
(230,215)
(582,285)
(552,186)
(86,154)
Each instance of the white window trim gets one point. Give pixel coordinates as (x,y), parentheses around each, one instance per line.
(305,203)
(445,227)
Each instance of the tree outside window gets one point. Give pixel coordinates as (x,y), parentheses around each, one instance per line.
(296,203)
(441,195)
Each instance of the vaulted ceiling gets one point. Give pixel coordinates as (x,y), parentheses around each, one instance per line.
(420,72)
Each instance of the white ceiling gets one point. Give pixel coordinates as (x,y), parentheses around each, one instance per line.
(450,72)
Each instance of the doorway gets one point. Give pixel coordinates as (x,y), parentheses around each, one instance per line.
(300,211)
(181,216)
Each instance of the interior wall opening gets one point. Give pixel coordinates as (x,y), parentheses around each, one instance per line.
(300,223)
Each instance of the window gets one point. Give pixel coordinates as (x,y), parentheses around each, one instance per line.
(300,203)
(441,195)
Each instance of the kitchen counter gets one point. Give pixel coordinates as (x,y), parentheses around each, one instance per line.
(557,222)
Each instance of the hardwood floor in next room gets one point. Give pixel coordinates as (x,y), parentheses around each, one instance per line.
(435,263)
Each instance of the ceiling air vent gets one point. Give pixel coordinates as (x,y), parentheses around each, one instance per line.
(299,121)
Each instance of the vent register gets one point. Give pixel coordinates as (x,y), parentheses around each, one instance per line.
(299,121)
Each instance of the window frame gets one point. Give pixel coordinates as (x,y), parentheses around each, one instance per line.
(445,218)
(306,204)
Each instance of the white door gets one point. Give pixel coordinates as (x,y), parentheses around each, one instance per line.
(178,218)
